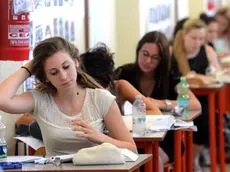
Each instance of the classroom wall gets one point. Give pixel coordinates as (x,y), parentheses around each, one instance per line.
(196,7)
(127,30)
(7,68)
(102,23)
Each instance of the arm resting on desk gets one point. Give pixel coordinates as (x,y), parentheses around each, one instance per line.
(128,93)
(194,103)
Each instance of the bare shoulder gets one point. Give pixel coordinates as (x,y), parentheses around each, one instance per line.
(122,82)
(209,49)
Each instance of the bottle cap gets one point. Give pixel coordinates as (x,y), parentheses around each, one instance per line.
(183,79)
(138,96)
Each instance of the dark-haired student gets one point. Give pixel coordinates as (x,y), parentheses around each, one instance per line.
(99,64)
(150,74)
(211,29)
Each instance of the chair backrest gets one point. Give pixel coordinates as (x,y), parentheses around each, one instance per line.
(41,151)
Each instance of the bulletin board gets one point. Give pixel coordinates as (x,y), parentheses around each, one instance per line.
(157,15)
(50,18)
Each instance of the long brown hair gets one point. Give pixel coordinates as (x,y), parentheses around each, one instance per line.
(178,44)
(225,11)
(162,71)
(46,49)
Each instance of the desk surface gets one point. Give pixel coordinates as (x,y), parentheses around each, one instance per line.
(151,137)
(68,167)
(148,137)
(209,86)
(191,115)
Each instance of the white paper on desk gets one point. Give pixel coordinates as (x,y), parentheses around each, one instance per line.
(31,141)
(222,77)
(153,122)
(181,123)
(23,159)
(128,108)
(160,122)
(129,155)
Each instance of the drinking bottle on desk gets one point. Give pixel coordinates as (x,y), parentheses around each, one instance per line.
(183,97)
(3,145)
(139,117)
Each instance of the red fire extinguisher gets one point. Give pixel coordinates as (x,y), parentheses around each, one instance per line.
(14,33)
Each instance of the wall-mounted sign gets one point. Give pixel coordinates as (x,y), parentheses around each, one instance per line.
(157,15)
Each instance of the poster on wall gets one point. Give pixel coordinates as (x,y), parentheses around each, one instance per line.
(60,21)
(50,18)
(157,15)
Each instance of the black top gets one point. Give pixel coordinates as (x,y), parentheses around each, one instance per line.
(199,63)
(212,45)
(131,73)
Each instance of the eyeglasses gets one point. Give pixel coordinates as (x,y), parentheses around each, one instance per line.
(146,56)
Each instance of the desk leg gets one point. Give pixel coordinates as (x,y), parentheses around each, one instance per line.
(221,107)
(148,148)
(189,151)
(155,156)
(177,150)
(228,98)
(212,131)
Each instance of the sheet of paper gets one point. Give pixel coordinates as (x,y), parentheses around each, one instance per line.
(24,159)
(154,122)
(32,142)
(129,155)
(128,108)
(181,123)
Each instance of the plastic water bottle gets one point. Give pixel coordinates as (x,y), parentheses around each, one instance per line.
(183,97)
(139,117)
(3,145)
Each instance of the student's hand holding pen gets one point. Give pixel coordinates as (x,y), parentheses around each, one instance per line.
(87,131)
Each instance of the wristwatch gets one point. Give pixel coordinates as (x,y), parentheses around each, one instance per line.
(168,104)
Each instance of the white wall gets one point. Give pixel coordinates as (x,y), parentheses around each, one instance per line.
(6,69)
(102,23)
(182,9)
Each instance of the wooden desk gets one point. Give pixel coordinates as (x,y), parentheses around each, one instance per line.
(69,167)
(223,104)
(210,91)
(189,143)
(150,143)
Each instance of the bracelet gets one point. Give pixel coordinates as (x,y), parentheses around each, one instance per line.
(27,70)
